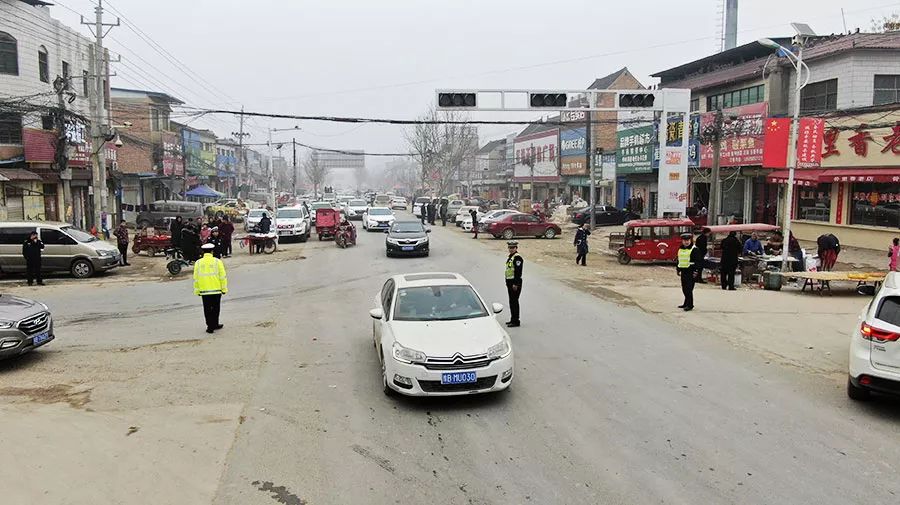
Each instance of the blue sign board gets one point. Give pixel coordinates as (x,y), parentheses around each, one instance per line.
(573,142)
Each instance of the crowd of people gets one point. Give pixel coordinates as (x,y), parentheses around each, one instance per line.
(189,236)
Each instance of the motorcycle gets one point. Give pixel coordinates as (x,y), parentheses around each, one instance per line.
(345,236)
(177,261)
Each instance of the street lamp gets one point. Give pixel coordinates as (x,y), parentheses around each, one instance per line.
(796,60)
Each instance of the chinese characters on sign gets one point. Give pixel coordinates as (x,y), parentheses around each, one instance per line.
(859,141)
(809,142)
(743,137)
(634,150)
(862,140)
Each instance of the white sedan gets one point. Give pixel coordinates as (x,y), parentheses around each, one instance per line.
(378,218)
(436,336)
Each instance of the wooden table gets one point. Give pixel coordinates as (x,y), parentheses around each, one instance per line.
(824,279)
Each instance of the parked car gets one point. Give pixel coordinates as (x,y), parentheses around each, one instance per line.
(158,211)
(420,202)
(875,343)
(399,203)
(381,201)
(407,238)
(463,212)
(453,207)
(522,225)
(253,218)
(316,206)
(66,249)
(604,215)
(377,218)
(25,325)
(436,336)
(356,208)
(493,215)
(294,222)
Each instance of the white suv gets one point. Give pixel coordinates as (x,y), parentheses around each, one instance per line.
(293,222)
(875,344)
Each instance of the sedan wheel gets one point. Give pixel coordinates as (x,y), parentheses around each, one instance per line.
(550,233)
(508,234)
(82,269)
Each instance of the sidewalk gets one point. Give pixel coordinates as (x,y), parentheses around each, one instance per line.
(804,330)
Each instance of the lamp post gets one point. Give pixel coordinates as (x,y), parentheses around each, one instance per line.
(798,64)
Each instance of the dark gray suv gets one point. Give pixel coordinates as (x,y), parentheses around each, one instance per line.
(24,325)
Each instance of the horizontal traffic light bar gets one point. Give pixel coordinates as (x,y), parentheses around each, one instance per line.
(671,100)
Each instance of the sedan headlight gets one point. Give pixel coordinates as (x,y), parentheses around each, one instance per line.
(6,324)
(407,355)
(393,241)
(106,253)
(500,350)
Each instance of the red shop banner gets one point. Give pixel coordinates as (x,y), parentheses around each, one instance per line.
(743,139)
(809,142)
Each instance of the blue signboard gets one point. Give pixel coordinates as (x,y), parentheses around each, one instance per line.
(674,134)
(573,142)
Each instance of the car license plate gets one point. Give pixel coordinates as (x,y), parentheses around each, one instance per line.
(407,248)
(40,338)
(458,378)
(382,224)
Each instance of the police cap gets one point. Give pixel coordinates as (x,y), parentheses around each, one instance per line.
(208,246)
(686,236)
(512,243)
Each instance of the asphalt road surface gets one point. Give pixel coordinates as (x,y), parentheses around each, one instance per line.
(608,404)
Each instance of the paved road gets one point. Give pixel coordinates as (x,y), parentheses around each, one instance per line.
(608,405)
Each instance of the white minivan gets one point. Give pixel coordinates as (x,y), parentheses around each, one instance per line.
(66,249)
(875,343)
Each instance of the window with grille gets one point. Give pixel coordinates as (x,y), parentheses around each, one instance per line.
(43,64)
(887,89)
(10,129)
(9,54)
(85,77)
(819,97)
(67,76)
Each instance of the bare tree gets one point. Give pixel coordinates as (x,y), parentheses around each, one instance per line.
(886,23)
(443,150)
(315,171)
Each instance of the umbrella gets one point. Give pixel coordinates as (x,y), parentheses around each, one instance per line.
(204,191)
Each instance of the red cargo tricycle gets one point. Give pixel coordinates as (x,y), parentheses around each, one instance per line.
(151,243)
(327,221)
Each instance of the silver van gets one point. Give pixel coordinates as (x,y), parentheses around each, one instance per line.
(158,211)
(66,249)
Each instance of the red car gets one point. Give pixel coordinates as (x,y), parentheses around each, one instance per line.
(522,225)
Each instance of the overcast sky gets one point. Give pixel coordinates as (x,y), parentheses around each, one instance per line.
(384,58)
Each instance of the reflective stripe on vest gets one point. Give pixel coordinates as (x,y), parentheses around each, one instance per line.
(684,258)
(510,268)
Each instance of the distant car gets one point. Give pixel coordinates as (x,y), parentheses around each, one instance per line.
(158,211)
(356,208)
(466,222)
(604,215)
(25,325)
(294,222)
(378,218)
(436,336)
(399,203)
(318,205)
(522,225)
(463,213)
(407,238)
(254,216)
(875,344)
(493,215)
(420,202)
(453,207)
(381,201)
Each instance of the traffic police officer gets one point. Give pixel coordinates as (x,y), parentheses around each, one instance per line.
(514,281)
(689,260)
(210,283)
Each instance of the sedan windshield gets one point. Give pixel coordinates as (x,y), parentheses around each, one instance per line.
(357,203)
(320,205)
(438,303)
(290,213)
(409,227)
(380,212)
(79,235)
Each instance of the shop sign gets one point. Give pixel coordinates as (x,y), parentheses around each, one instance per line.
(541,150)
(809,142)
(874,198)
(867,140)
(742,143)
(634,149)
(573,165)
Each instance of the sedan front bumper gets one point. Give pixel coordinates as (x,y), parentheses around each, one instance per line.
(411,249)
(14,341)
(496,376)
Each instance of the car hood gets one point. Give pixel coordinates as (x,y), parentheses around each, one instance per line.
(358,208)
(100,245)
(380,218)
(290,220)
(446,338)
(407,236)
(13,307)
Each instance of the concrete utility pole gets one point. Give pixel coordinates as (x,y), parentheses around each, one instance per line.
(272,184)
(294,182)
(242,159)
(60,85)
(100,67)
(713,207)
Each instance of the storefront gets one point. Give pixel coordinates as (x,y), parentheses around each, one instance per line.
(537,164)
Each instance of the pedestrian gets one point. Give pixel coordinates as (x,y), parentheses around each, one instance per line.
(423,212)
(581,244)
(688,257)
(731,252)
(205,230)
(31,250)
(265,224)
(215,238)
(753,245)
(226,230)
(175,227)
(210,283)
(190,242)
(474,214)
(702,246)
(431,212)
(444,204)
(795,251)
(893,254)
(828,249)
(121,234)
(514,264)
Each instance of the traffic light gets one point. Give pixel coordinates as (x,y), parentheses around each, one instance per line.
(557,100)
(636,100)
(456,99)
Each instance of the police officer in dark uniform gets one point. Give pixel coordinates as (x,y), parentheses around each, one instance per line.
(514,281)
(31,250)
(690,258)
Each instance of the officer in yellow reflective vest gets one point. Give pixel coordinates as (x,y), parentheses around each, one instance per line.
(513,281)
(210,283)
(689,260)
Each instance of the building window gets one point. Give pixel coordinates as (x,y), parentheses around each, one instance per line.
(154,119)
(67,76)
(887,89)
(47,122)
(43,64)
(10,129)
(736,98)
(9,54)
(814,204)
(875,205)
(695,105)
(164,120)
(819,97)
(85,78)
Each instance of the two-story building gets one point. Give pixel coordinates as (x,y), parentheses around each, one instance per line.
(489,180)
(44,62)
(226,165)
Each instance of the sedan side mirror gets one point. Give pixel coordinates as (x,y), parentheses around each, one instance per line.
(428,230)
(376,313)
(497,307)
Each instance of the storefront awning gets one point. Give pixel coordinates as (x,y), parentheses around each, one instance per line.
(803,177)
(18,174)
(861,175)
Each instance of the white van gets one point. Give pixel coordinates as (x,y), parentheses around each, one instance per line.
(66,249)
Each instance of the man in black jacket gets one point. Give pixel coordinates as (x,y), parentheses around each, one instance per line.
(474,215)
(31,250)
(731,252)
(702,246)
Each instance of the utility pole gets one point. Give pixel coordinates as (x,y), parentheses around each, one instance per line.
(185,156)
(294,183)
(716,138)
(101,78)
(241,154)
(60,85)
(272,183)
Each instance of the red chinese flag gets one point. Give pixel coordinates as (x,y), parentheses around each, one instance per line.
(775,142)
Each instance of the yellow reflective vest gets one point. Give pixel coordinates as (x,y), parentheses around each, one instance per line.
(684,258)
(209,276)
